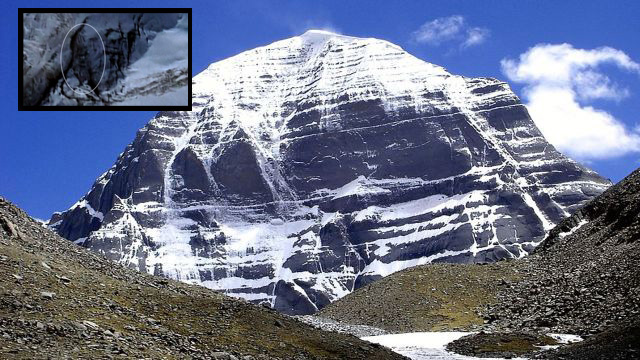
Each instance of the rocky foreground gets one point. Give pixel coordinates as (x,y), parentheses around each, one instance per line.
(58,300)
(584,279)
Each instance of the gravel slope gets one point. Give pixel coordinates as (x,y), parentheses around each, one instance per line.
(620,342)
(61,301)
(584,280)
(585,277)
(436,297)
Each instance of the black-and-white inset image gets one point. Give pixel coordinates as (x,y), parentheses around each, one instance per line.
(105,59)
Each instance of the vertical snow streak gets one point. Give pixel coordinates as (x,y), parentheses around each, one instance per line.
(462,98)
(276,98)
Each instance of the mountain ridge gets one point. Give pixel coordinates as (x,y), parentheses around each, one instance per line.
(317,164)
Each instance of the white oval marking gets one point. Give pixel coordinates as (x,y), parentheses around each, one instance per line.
(104,61)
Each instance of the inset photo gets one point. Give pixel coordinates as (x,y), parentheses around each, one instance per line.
(105,60)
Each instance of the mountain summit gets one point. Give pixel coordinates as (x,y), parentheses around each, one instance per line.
(314,165)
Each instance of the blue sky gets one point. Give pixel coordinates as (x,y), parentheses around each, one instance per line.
(48,160)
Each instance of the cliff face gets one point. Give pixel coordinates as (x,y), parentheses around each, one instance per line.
(319,163)
(105,59)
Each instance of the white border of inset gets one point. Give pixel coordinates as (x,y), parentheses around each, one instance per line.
(104,61)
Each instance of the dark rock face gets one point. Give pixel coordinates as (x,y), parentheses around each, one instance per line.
(238,175)
(620,342)
(85,59)
(320,163)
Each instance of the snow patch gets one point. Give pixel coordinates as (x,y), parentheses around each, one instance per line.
(422,345)
(574,229)
(84,204)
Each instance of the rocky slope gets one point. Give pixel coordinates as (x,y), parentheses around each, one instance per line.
(317,164)
(105,59)
(434,297)
(583,279)
(619,342)
(58,300)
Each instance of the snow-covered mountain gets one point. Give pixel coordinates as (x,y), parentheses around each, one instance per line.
(107,59)
(319,163)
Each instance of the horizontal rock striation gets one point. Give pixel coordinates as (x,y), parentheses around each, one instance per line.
(317,164)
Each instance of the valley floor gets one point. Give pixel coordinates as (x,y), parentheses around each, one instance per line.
(415,345)
(423,345)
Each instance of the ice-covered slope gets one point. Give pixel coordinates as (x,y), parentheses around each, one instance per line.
(319,163)
(107,59)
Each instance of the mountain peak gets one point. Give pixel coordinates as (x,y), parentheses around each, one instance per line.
(320,32)
(316,36)
(249,192)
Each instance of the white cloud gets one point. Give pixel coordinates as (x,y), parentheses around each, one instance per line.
(475,36)
(298,27)
(452,28)
(439,30)
(560,80)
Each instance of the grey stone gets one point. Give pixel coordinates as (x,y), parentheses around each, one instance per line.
(90,324)
(47,295)
(220,355)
